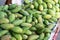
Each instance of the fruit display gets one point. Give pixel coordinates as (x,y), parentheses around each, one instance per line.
(29,21)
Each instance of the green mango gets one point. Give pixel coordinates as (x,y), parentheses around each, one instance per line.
(4,20)
(54,19)
(12,6)
(28,32)
(39,25)
(57,8)
(40,1)
(17,15)
(57,15)
(35,20)
(32,6)
(46,22)
(41,36)
(24,19)
(33,28)
(25,36)
(11,17)
(47,0)
(27,1)
(50,26)
(2,14)
(33,37)
(3,32)
(17,22)
(31,11)
(47,16)
(51,21)
(49,5)
(29,18)
(23,12)
(17,9)
(5,7)
(51,12)
(7,26)
(13,38)
(17,36)
(44,5)
(47,30)
(41,7)
(59,1)
(26,24)
(35,5)
(56,1)
(17,30)
(40,19)
(47,36)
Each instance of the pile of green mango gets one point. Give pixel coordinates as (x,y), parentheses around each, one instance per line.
(29,21)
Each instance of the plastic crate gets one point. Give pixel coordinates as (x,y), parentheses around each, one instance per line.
(55,31)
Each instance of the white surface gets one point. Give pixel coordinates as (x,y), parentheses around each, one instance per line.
(17,2)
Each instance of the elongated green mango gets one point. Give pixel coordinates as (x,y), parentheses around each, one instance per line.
(26,24)
(17,36)
(17,15)
(7,26)
(35,4)
(56,1)
(24,19)
(41,7)
(41,36)
(47,0)
(17,9)
(5,7)
(3,32)
(47,36)
(3,14)
(46,22)
(22,11)
(47,30)
(40,1)
(51,12)
(35,20)
(39,25)
(47,16)
(28,32)
(49,5)
(4,20)
(50,26)
(12,6)
(17,30)
(17,22)
(33,37)
(40,19)
(29,19)
(27,1)
(44,5)
(33,28)
(11,17)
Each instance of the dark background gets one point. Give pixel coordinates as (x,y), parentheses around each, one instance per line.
(2,2)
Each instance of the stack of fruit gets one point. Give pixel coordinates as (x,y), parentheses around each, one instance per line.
(29,21)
